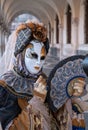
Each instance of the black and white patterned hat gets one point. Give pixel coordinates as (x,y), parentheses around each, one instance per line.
(59,80)
(27,32)
(23,38)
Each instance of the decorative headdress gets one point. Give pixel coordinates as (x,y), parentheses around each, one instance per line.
(26,33)
(29,31)
(59,80)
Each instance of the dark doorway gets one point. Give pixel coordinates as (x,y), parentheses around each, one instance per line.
(86,22)
(69,18)
(57,29)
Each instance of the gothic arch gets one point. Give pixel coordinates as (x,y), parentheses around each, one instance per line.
(23,12)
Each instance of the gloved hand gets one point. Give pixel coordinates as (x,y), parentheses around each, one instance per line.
(40,89)
(78,87)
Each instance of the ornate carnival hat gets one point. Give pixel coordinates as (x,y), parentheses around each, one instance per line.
(24,34)
(60,79)
(29,31)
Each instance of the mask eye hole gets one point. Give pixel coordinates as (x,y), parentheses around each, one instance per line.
(34,55)
(42,57)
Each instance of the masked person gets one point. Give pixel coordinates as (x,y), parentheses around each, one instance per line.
(17,84)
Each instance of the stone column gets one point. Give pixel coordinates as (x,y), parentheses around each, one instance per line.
(6,37)
(0,40)
(81,35)
(55,31)
(75,24)
(52,36)
(49,31)
(61,40)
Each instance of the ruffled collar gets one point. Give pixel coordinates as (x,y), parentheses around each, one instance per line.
(19,85)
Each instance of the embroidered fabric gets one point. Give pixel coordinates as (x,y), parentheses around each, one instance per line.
(22,87)
(39,106)
(59,79)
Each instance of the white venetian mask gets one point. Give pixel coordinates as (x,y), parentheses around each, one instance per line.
(35,56)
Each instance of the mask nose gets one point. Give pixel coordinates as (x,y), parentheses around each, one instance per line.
(38,61)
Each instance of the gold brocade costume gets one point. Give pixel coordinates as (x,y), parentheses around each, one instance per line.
(27,120)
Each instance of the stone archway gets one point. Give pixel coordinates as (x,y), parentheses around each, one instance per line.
(21,18)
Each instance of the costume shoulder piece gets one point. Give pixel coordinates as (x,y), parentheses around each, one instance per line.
(61,78)
(2,83)
(18,85)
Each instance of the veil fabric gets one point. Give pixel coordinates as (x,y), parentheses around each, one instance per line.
(6,61)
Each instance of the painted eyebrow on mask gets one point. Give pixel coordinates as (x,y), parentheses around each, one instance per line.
(34,56)
(31,55)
